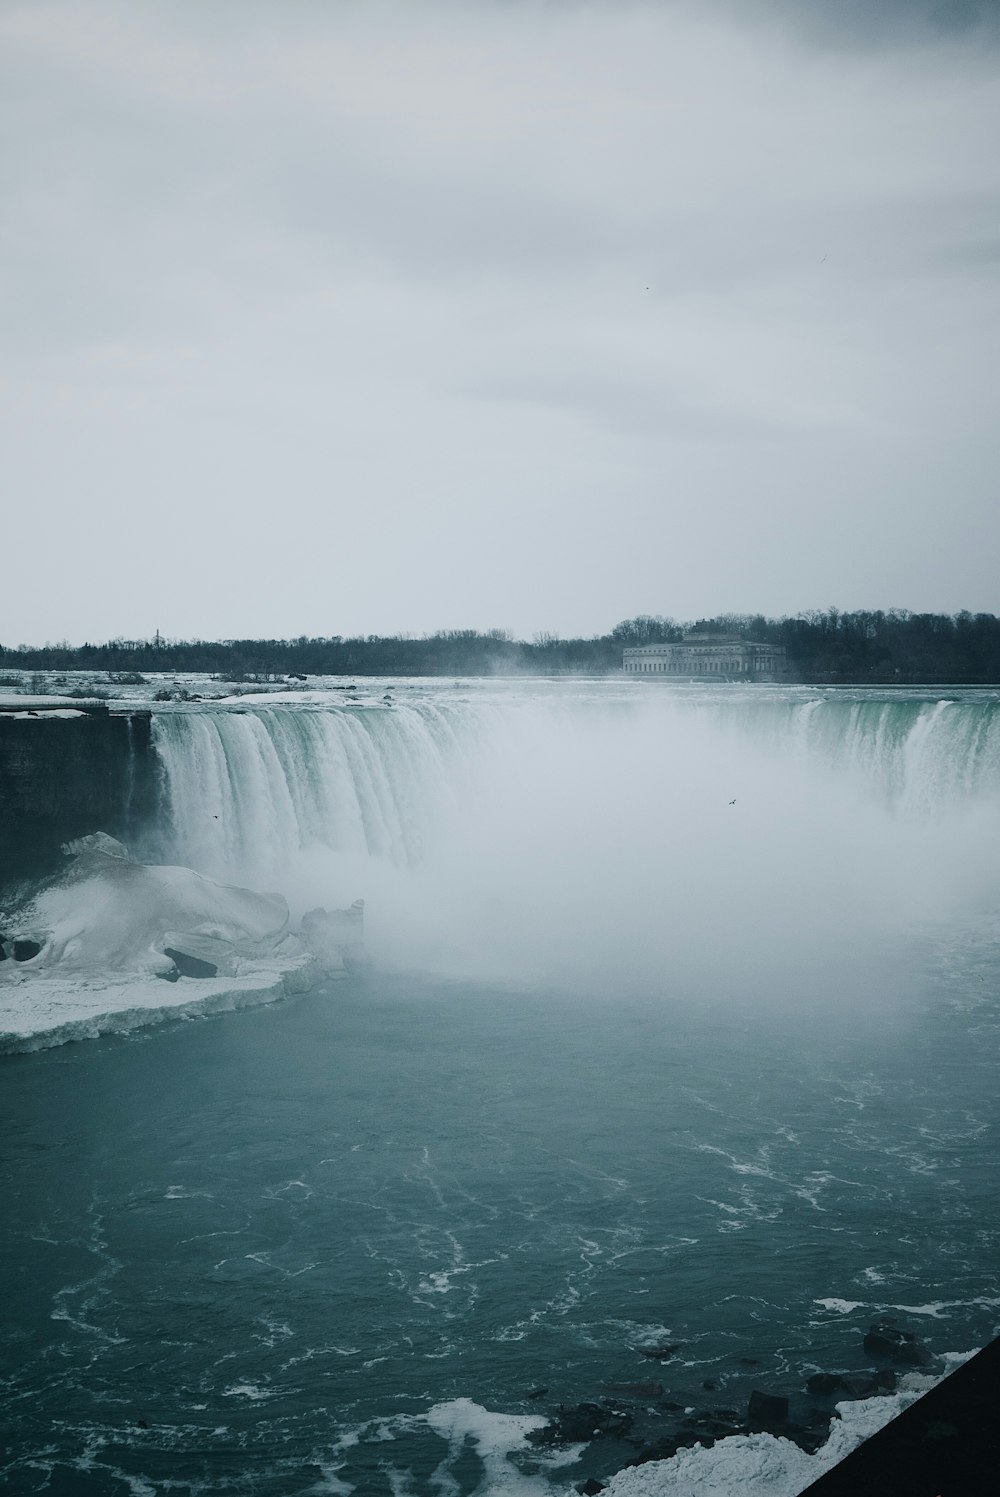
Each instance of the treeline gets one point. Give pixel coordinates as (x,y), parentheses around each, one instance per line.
(451,652)
(882,647)
(874,647)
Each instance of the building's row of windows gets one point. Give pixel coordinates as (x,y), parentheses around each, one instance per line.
(686,668)
(699,667)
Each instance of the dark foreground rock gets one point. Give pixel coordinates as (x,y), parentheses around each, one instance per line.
(767,1410)
(886,1338)
(851,1384)
(644,1416)
(860,1386)
(822,1384)
(190,966)
(583,1421)
(658,1450)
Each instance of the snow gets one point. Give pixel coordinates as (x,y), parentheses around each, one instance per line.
(767,1463)
(34,716)
(39,1010)
(104,927)
(22,705)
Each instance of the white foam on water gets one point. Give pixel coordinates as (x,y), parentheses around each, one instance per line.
(330,1484)
(251,1391)
(939,1308)
(495,1438)
(399,1482)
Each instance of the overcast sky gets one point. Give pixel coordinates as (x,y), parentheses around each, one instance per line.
(324,317)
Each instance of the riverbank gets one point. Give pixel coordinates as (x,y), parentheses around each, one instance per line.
(934,1436)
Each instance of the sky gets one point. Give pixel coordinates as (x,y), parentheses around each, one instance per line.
(377,316)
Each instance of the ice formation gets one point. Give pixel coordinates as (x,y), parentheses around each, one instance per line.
(107,914)
(110,943)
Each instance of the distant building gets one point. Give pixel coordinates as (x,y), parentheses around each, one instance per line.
(709,657)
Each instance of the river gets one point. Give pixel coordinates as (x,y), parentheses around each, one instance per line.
(682,1028)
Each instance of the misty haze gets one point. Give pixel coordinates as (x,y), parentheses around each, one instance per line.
(455,1045)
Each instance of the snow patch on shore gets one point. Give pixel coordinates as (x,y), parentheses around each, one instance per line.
(42,1010)
(768,1463)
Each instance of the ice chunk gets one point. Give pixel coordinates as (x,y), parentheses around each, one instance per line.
(90,944)
(105,913)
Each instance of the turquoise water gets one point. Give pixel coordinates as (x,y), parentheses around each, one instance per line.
(684,1026)
(281,1237)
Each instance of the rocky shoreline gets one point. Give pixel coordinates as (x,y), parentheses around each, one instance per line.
(632,1424)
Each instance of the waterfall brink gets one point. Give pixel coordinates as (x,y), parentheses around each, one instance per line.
(592,831)
(250,788)
(247,790)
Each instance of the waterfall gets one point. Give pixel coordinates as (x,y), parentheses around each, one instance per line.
(587,826)
(921,756)
(248,788)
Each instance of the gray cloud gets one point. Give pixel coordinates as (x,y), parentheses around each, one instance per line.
(882,23)
(388,316)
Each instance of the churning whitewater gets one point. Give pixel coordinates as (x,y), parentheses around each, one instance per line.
(681,1034)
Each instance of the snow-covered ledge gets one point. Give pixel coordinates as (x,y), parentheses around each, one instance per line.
(111,944)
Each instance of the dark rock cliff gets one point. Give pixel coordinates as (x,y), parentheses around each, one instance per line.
(62,777)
